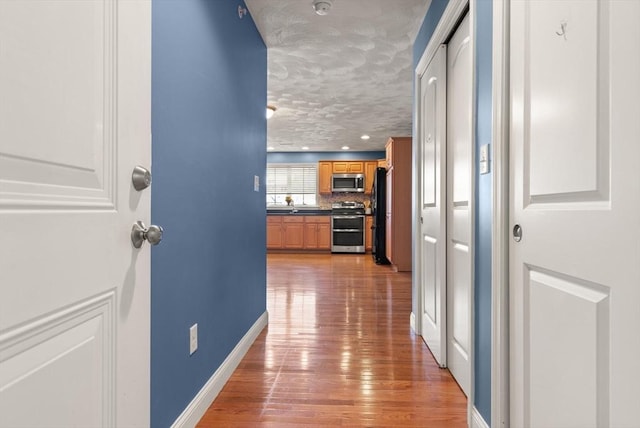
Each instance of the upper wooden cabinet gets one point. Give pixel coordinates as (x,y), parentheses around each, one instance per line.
(346,167)
(325,169)
(398,227)
(369,173)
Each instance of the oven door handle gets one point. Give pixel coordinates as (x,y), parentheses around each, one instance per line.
(348,216)
(347,230)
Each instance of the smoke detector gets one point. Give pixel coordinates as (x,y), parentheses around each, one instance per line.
(322,6)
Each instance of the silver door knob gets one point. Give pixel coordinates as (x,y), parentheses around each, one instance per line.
(141,178)
(139,232)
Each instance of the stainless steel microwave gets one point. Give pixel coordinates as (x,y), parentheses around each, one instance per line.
(347,183)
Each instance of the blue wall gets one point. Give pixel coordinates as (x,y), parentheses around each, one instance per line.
(483,42)
(313,157)
(483,129)
(209,86)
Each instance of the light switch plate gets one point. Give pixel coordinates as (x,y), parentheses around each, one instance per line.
(193,339)
(256,183)
(484,153)
(484,159)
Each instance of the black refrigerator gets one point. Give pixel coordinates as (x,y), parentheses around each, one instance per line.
(379,212)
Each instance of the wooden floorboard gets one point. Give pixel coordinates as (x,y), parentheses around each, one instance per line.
(338,351)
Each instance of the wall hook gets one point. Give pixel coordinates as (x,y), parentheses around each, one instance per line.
(241,12)
(563,30)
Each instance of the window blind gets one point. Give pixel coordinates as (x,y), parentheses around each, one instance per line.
(300,181)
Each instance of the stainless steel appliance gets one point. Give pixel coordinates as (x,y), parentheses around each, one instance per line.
(347,183)
(347,227)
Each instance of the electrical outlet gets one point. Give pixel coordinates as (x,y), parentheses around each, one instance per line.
(256,183)
(193,339)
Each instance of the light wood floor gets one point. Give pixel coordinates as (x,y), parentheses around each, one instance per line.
(338,351)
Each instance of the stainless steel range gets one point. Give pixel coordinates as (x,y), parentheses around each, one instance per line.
(347,227)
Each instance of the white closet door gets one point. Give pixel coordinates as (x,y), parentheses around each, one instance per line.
(575,273)
(459,196)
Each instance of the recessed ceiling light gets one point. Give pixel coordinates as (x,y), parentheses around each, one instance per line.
(345,147)
(270,111)
(305,148)
(365,137)
(270,148)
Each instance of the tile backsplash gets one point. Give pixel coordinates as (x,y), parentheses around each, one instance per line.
(325,201)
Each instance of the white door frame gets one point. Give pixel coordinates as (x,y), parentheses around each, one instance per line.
(453,13)
(500,229)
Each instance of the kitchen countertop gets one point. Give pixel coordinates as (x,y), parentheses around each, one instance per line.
(300,211)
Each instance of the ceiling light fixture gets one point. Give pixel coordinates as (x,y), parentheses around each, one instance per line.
(365,137)
(345,147)
(322,6)
(270,148)
(305,148)
(270,111)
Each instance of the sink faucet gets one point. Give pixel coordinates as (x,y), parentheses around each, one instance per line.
(293,210)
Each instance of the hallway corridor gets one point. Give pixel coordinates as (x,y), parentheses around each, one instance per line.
(338,351)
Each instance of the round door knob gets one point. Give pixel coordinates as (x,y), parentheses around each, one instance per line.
(139,232)
(517,233)
(141,178)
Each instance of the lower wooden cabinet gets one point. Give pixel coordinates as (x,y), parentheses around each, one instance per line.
(292,232)
(274,232)
(298,232)
(317,235)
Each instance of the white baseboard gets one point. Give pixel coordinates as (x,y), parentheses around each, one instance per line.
(476,419)
(412,322)
(201,402)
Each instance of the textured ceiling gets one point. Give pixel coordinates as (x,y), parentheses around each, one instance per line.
(338,76)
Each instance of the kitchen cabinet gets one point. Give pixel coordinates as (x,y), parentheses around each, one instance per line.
(398,215)
(274,232)
(382,163)
(298,232)
(293,232)
(325,170)
(317,234)
(368,233)
(389,154)
(369,173)
(343,167)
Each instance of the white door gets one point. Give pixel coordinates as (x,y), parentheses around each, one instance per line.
(74,294)
(459,157)
(575,180)
(432,195)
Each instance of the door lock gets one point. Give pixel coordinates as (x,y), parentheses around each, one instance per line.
(141,178)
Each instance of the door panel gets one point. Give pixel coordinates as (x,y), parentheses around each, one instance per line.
(459,167)
(575,101)
(432,205)
(568,110)
(74,293)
